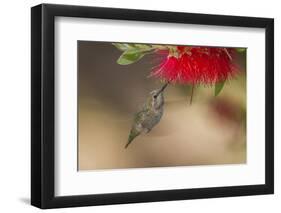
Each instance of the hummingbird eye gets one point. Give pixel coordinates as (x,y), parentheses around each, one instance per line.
(154,96)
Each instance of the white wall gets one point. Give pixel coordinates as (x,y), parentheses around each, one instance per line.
(15,105)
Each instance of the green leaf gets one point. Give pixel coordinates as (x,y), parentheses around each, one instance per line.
(137,47)
(132,52)
(218,87)
(124,46)
(143,47)
(130,57)
(240,50)
(160,47)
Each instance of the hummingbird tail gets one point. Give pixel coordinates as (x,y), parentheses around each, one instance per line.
(132,136)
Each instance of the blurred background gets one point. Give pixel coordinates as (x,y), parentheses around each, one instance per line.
(210,131)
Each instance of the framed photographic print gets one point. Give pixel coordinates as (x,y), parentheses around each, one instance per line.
(139,106)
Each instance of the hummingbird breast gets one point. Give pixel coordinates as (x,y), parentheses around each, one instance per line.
(152,118)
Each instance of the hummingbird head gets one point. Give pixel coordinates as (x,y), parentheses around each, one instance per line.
(157,97)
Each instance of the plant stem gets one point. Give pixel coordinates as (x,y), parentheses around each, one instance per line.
(191,95)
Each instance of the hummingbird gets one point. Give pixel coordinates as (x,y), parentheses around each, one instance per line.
(149,115)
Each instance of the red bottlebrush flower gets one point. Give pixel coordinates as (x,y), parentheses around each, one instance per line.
(197,65)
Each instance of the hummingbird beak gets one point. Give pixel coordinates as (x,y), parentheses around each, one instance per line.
(162,89)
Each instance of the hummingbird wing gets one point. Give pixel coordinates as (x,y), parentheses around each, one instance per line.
(137,126)
(132,136)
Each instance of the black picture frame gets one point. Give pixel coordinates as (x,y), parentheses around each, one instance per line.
(43,117)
